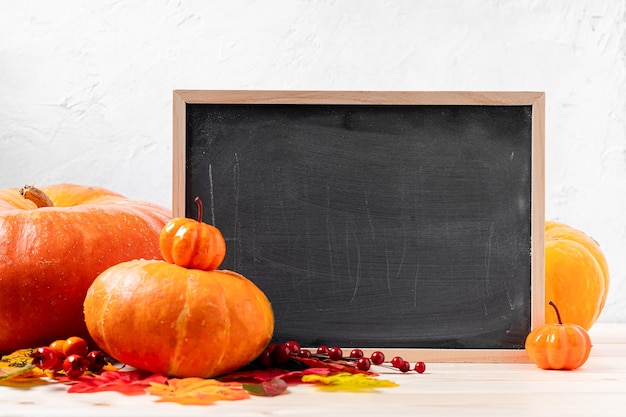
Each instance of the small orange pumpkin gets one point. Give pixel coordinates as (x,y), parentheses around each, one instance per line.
(558,346)
(577,275)
(176,321)
(192,244)
(54,241)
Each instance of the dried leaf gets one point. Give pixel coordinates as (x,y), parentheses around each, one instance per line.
(253,375)
(7,374)
(25,377)
(261,375)
(348,382)
(337,366)
(197,391)
(16,363)
(269,388)
(16,369)
(128,383)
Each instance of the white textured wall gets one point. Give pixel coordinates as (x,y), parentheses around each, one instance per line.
(85,87)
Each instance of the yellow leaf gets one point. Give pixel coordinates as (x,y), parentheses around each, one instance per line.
(18,359)
(348,382)
(197,391)
(30,378)
(17,370)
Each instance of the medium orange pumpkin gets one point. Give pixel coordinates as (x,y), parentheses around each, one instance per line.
(558,345)
(176,321)
(577,275)
(54,241)
(192,244)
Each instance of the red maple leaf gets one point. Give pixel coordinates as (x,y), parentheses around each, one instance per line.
(128,382)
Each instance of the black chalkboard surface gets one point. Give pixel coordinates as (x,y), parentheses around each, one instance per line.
(375,220)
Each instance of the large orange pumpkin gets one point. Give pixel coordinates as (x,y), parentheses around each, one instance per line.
(164,318)
(577,275)
(53,244)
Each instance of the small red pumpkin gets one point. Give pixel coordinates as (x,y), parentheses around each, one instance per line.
(177,321)
(192,244)
(558,345)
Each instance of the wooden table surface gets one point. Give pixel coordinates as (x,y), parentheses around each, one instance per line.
(598,388)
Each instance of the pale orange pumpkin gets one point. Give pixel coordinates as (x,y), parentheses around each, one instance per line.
(577,275)
(53,244)
(558,345)
(176,321)
(192,244)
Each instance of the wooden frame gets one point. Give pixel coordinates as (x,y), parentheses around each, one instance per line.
(181,98)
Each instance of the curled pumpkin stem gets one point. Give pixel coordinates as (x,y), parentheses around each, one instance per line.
(558,315)
(199,203)
(37,196)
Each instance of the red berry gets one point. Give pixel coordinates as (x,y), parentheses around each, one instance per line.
(335,353)
(264,360)
(322,350)
(397,362)
(356,353)
(305,353)
(377,358)
(75,366)
(364,364)
(281,354)
(420,367)
(405,367)
(75,346)
(294,347)
(96,360)
(44,358)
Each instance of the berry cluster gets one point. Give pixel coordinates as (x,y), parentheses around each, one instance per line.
(279,354)
(71,356)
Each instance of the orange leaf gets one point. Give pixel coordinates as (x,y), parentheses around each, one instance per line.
(197,391)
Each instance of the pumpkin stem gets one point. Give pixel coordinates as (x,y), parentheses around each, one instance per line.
(199,203)
(558,315)
(37,196)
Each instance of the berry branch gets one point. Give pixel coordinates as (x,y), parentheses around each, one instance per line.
(280,354)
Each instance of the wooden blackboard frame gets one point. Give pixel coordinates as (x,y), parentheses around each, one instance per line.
(183,98)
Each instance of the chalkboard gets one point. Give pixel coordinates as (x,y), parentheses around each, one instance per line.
(392,220)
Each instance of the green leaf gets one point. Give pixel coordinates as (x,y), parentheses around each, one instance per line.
(9,373)
(269,388)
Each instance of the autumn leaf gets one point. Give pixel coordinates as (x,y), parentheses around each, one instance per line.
(337,366)
(8,373)
(126,382)
(17,370)
(16,363)
(197,391)
(262,375)
(25,377)
(269,388)
(253,375)
(348,382)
